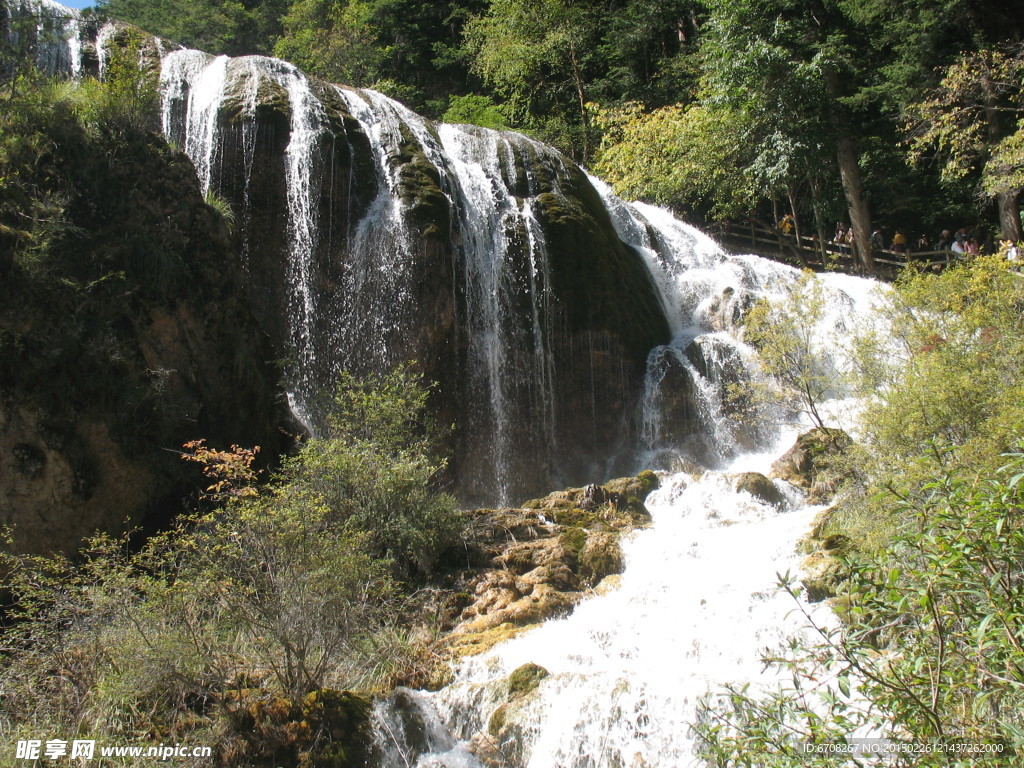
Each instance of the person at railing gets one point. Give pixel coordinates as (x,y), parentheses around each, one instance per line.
(839,241)
(959,246)
(944,241)
(923,244)
(1011,250)
(877,241)
(787,225)
(899,243)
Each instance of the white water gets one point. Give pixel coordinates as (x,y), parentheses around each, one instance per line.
(56,37)
(694,610)
(697,606)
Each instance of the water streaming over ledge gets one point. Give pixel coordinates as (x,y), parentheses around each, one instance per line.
(697,604)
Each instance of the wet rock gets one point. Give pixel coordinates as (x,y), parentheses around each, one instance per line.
(537,562)
(760,487)
(812,462)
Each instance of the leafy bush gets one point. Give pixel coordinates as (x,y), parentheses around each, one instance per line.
(932,642)
(290,586)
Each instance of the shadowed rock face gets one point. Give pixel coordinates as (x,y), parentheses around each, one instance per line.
(133,340)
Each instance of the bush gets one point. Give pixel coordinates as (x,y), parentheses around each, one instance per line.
(289,587)
(932,643)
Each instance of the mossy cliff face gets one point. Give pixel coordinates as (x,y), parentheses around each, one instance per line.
(123,337)
(387,285)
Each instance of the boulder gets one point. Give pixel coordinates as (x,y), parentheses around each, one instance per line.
(760,487)
(811,462)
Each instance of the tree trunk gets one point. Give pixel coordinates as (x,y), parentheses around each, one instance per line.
(577,76)
(1007,202)
(814,183)
(849,171)
(1009,215)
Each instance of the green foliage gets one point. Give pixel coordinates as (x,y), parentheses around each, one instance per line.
(290,586)
(681,157)
(802,374)
(373,469)
(235,27)
(474,109)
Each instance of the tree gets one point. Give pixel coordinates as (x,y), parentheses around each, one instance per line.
(536,54)
(801,371)
(795,64)
(682,157)
(972,120)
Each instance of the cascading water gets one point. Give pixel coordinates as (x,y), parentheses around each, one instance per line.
(696,605)
(53,31)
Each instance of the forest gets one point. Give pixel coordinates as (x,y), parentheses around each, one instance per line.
(898,116)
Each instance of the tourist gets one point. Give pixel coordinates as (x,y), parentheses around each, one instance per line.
(877,241)
(899,243)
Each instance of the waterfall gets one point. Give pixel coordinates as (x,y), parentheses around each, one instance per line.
(54,32)
(696,605)
(373,236)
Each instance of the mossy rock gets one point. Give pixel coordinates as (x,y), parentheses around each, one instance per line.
(327,729)
(760,487)
(340,724)
(419,187)
(601,556)
(813,454)
(823,573)
(578,518)
(573,541)
(272,104)
(601,283)
(525,679)
(638,487)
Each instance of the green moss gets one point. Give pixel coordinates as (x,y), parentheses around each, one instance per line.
(573,540)
(497,721)
(577,517)
(525,679)
(339,722)
(419,187)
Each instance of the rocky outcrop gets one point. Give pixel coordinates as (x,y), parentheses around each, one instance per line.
(508,724)
(536,562)
(760,487)
(823,571)
(133,338)
(812,464)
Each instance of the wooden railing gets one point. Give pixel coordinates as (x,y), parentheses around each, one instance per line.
(809,252)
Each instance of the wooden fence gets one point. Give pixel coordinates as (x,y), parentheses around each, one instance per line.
(809,252)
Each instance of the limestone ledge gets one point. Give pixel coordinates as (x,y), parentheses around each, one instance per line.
(535,562)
